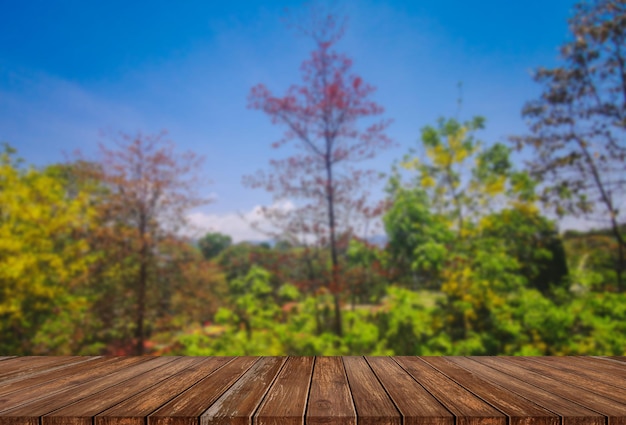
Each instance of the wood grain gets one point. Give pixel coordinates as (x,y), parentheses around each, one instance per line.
(372,403)
(416,405)
(134,410)
(465,406)
(18,367)
(596,374)
(237,405)
(519,410)
(615,411)
(330,400)
(571,413)
(66,367)
(576,379)
(307,390)
(188,406)
(82,412)
(608,368)
(51,402)
(84,373)
(285,402)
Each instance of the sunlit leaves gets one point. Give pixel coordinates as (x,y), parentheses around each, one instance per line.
(43,249)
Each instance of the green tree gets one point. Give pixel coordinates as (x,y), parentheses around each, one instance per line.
(365,275)
(418,238)
(213,243)
(463,223)
(236,260)
(534,243)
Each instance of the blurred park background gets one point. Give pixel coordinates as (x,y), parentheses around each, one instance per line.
(335,178)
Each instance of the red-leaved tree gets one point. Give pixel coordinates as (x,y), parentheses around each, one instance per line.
(150,189)
(320,115)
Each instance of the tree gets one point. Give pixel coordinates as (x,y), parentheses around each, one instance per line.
(365,275)
(578,125)
(321,118)
(438,209)
(151,187)
(212,244)
(43,250)
(418,238)
(475,232)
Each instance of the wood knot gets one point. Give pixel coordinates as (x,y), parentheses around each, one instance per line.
(324,404)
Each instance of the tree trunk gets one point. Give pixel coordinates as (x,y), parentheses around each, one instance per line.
(607,200)
(141,301)
(141,289)
(334,284)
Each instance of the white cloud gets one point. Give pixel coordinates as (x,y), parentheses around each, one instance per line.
(231,224)
(237,225)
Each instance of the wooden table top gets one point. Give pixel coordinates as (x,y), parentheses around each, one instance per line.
(313,390)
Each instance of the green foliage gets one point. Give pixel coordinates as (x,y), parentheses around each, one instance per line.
(590,258)
(534,243)
(406,323)
(471,267)
(212,244)
(418,239)
(364,274)
(481,240)
(43,250)
(236,260)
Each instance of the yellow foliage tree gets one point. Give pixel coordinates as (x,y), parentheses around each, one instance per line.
(43,249)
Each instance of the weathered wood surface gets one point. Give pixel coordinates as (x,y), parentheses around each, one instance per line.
(313,390)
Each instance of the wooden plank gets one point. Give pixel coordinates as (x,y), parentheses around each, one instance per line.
(574,379)
(612,358)
(295,390)
(29,413)
(615,411)
(570,412)
(82,373)
(329,398)
(65,368)
(567,366)
(416,405)
(372,403)
(610,369)
(83,411)
(6,358)
(237,405)
(188,406)
(135,409)
(22,366)
(519,410)
(55,363)
(466,407)
(286,400)
(605,364)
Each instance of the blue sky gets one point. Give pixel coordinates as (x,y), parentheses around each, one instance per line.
(71,69)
